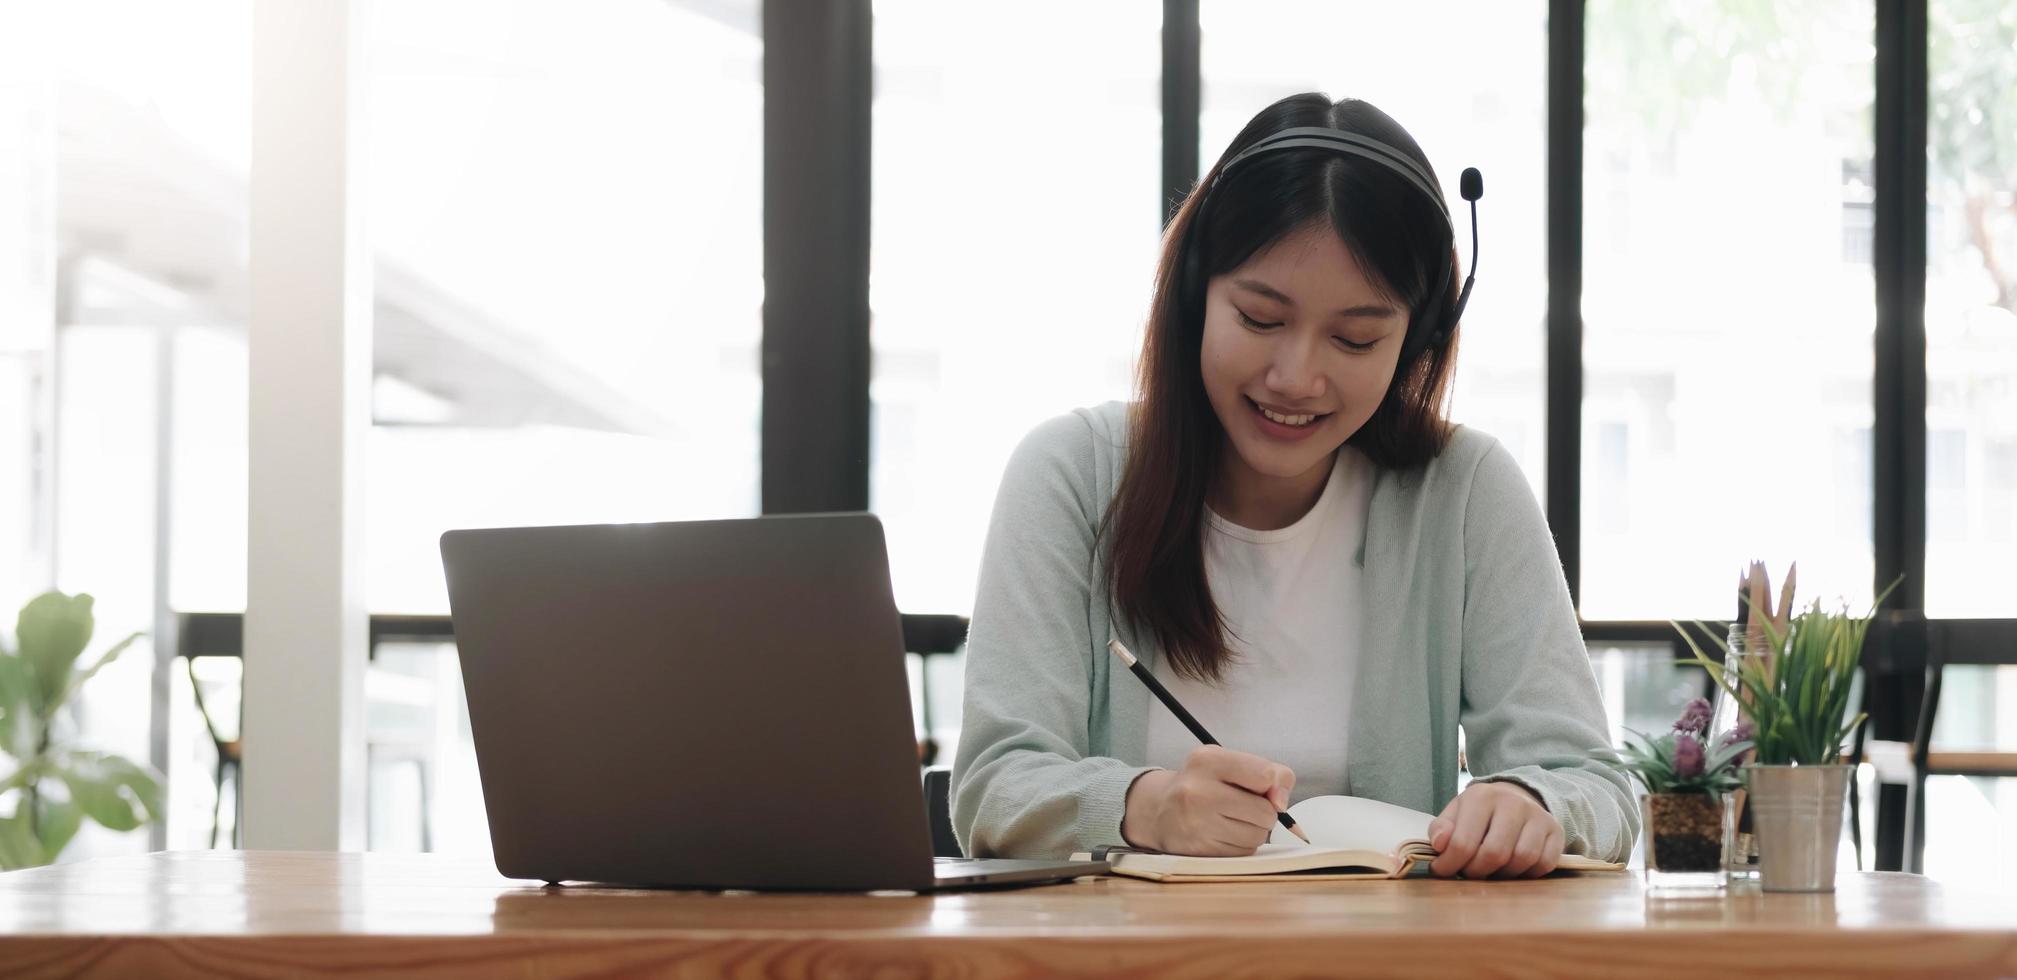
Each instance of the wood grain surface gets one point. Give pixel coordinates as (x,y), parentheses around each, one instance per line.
(229,914)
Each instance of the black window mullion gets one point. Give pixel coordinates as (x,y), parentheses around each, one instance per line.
(1898,381)
(817,72)
(1565,287)
(1898,251)
(1182,102)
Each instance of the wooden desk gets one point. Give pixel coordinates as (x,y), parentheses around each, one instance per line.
(219,913)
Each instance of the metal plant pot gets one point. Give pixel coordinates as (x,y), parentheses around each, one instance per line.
(1797,811)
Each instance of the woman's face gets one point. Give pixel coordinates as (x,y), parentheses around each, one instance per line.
(1299,331)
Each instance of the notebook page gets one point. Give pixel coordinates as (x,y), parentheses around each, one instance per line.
(1353,823)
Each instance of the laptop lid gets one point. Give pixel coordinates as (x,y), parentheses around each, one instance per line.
(714,704)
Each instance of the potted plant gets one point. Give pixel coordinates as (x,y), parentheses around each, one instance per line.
(1687,783)
(1796,698)
(54,785)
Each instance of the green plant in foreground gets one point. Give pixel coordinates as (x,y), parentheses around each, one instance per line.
(1796,693)
(1683,760)
(55,786)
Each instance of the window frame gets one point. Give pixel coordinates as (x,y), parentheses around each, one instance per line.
(815,361)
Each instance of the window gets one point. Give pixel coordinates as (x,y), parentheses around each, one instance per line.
(1971,309)
(1853,476)
(1015,232)
(1644,689)
(28,249)
(1946,486)
(123,150)
(1969,839)
(566,201)
(1725,319)
(1468,80)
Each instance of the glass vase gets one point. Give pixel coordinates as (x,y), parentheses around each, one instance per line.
(1740,842)
(1683,836)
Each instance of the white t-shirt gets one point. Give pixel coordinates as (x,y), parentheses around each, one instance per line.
(1293,601)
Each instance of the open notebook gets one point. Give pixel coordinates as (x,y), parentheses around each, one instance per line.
(1349,838)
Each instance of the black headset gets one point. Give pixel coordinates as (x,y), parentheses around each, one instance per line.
(1471,185)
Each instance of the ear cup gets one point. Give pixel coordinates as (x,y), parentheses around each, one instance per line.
(1190,284)
(1435,328)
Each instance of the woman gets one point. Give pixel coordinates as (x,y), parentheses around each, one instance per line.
(1328,574)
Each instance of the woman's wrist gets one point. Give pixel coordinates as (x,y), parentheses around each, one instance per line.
(1138,809)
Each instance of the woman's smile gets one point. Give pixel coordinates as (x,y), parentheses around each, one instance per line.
(1285,426)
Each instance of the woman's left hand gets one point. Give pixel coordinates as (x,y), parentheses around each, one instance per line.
(1495,830)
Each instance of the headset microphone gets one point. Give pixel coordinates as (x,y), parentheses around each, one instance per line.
(1472,186)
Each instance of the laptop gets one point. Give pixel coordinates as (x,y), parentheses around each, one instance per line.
(707,704)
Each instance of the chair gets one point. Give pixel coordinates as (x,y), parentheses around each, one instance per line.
(230,762)
(404,723)
(930,636)
(1908,763)
(222,635)
(938,808)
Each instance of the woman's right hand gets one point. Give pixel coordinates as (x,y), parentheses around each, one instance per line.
(1221,803)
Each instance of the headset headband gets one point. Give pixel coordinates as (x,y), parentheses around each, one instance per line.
(1321,138)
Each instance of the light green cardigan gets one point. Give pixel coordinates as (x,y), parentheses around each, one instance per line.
(1468,622)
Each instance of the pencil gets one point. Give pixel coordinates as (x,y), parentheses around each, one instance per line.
(1170,701)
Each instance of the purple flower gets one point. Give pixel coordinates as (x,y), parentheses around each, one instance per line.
(1694,718)
(1688,756)
(1744,730)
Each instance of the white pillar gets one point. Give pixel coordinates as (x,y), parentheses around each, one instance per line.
(310,364)
(27,309)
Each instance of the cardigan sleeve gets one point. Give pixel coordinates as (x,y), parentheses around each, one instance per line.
(1024,782)
(1532,713)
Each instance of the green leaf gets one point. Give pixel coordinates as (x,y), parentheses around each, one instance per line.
(110,789)
(18,848)
(1786,738)
(78,680)
(1724,756)
(20,726)
(143,784)
(29,772)
(53,631)
(100,800)
(60,820)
